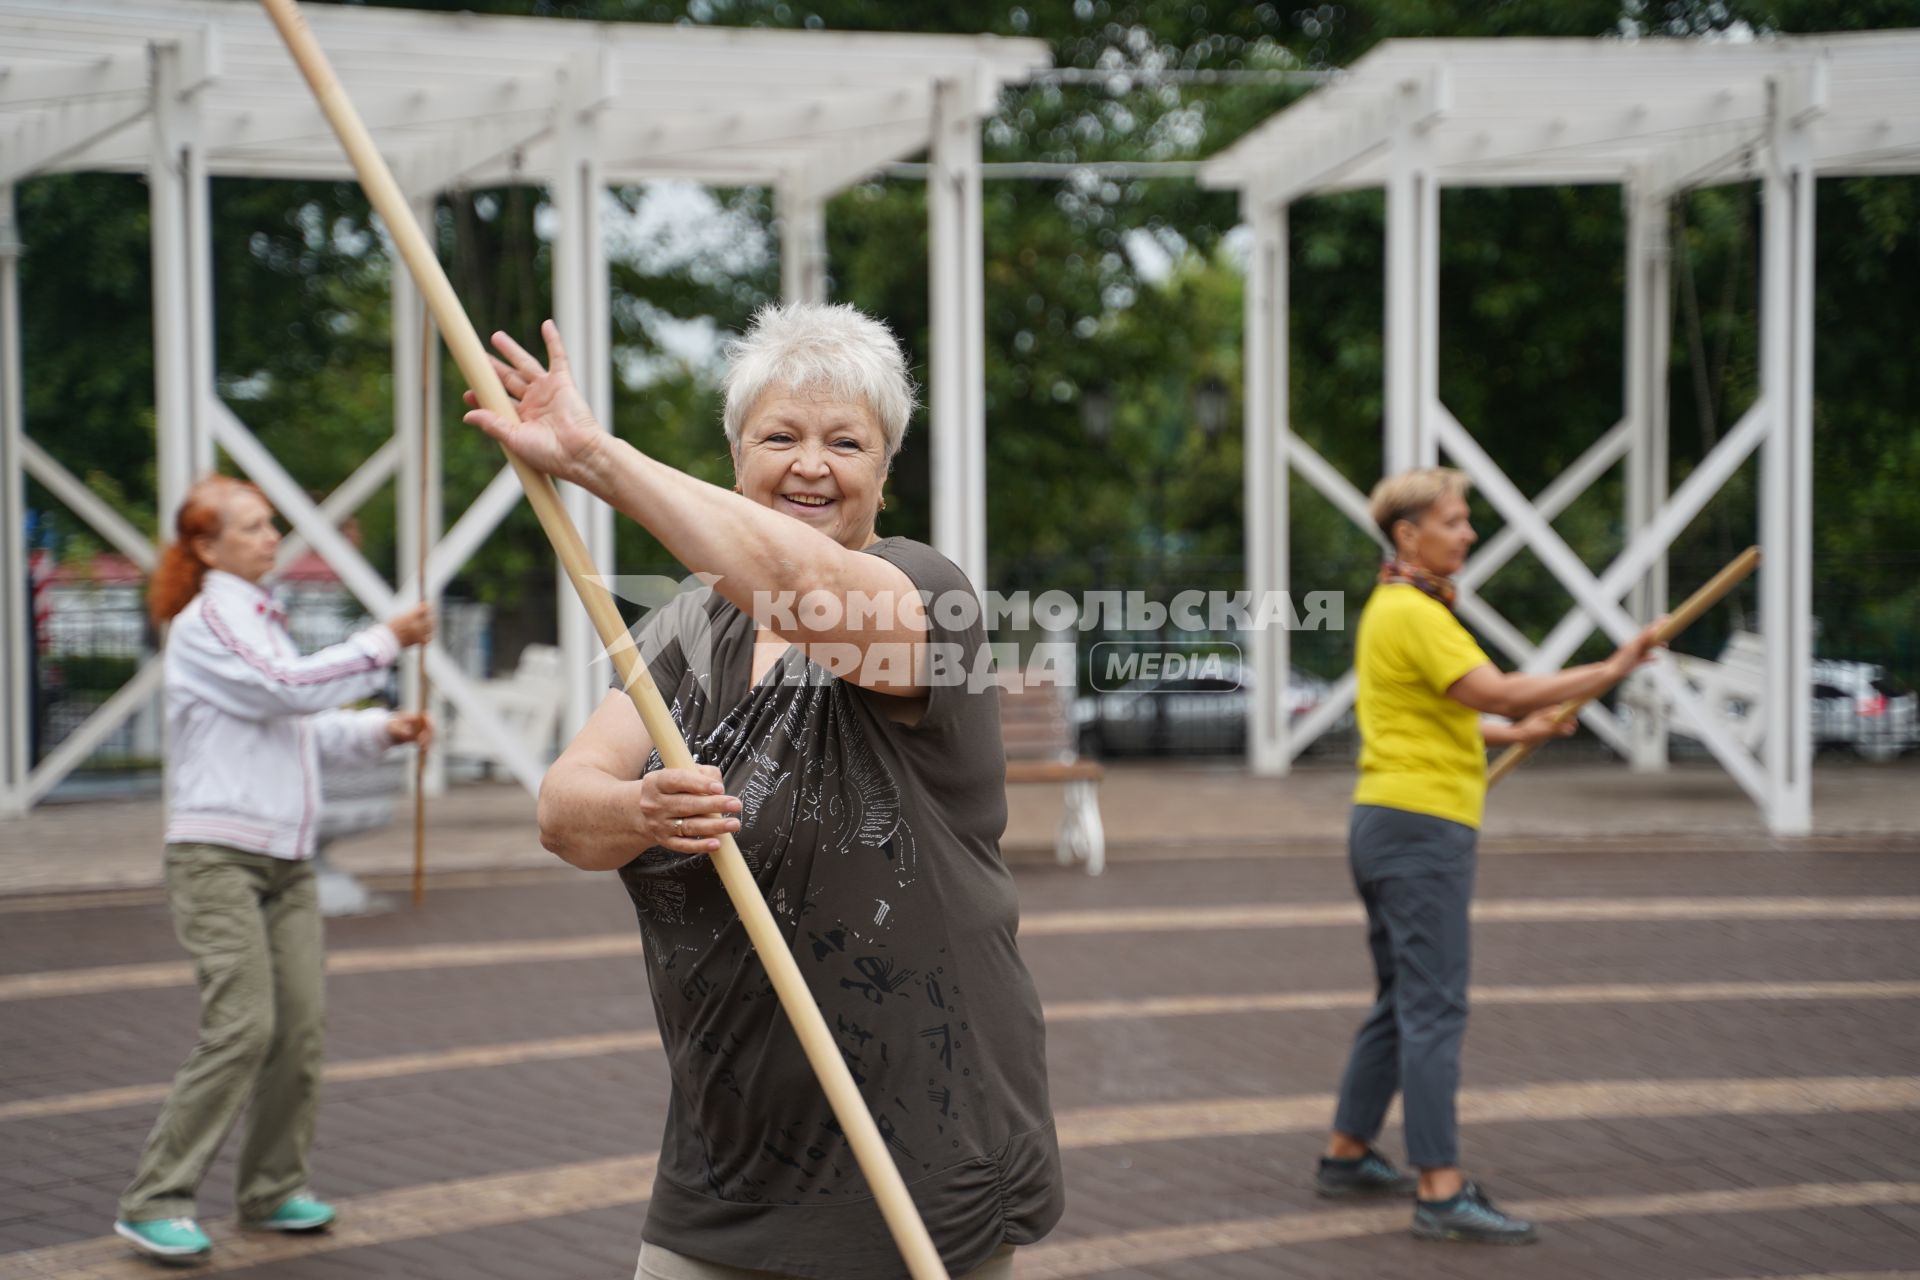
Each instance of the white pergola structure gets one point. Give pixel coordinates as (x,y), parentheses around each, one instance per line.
(183,90)
(1656,118)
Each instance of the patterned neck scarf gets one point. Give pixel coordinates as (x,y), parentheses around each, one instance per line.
(1425,580)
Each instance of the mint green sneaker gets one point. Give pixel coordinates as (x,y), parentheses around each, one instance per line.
(177,1239)
(298,1213)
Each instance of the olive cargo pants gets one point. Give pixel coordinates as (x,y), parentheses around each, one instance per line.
(251,922)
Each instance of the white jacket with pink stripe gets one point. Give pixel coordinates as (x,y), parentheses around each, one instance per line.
(252,721)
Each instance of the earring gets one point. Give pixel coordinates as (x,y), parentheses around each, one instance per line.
(883,504)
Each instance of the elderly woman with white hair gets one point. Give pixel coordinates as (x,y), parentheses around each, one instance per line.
(864,781)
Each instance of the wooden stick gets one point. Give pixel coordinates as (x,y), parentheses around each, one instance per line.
(1677,621)
(428,349)
(863,1135)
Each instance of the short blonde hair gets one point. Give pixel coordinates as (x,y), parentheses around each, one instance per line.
(812,346)
(1408,495)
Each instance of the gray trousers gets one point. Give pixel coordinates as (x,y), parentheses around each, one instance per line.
(1415,875)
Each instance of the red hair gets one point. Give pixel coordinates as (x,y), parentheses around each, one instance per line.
(176,581)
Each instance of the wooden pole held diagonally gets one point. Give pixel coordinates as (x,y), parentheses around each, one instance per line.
(863,1135)
(1679,620)
(428,349)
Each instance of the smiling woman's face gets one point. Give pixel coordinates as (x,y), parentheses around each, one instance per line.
(816,458)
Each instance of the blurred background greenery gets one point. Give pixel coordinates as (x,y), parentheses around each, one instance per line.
(1113,311)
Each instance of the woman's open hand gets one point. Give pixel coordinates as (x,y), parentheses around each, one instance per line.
(686,810)
(557,432)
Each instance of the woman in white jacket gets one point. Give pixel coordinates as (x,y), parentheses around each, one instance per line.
(251,722)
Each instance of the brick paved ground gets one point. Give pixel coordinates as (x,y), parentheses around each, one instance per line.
(1184,1199)
(1151,809)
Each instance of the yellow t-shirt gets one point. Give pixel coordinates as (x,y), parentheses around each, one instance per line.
(1419,749)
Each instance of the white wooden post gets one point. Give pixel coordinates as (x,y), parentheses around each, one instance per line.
(196,252)
(183,391)
(416,423)
(1426,440)
(16,609)
(957,320)
(580,306)
(174,382)
(1648,336)
(1411,351)
(1265,395)
(1786,526)
(803,242)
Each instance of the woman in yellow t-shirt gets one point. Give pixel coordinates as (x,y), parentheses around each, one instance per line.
(1423,684)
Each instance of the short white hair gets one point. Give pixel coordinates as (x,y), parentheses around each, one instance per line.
(814,346)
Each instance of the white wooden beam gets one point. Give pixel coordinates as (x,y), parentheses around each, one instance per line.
(776,123)
(1702,158)
(299,510)
(347,497)
(74,749)
(367,586)
(51,135)
(1335,487)
(452,157)
(27,84)
(1350,502)
(86,504)
(1415,101)
(1560,493)
(1707,478)
(829,169)
(1563,135)
(118,90)
(1835,147)
(852,55)
(482,516)
(1604,608)
(1326,714)
(410,111)
(579,91)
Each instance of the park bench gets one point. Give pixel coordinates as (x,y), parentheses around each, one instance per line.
(1036,727)
(528,701)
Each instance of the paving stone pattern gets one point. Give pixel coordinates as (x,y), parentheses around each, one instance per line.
(59,1175)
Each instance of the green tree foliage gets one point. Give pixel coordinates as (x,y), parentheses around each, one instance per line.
(1099,290)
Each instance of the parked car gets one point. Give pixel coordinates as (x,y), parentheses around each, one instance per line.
(1182,715)
(1857,705)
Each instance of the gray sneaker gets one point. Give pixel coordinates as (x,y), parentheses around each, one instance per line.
(1469,1217)
(1369,1175)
